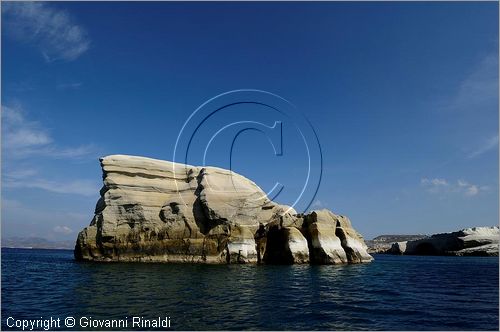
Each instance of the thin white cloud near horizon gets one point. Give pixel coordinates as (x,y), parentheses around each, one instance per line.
(53,223)
(488,145)
(443,186)
(476,93)
(24,143)
(19,133)
(22,138)
(62,229)
(78,187)
(53,31)
(479,87)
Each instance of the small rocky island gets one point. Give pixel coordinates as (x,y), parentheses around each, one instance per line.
(158,211)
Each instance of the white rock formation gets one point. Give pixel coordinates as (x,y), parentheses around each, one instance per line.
(333,240)
(153,210)
(297,245)
(398,248)
(476,241)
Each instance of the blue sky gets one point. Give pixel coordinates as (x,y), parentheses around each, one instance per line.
(403,98)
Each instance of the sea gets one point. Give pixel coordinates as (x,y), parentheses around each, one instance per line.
(392,293)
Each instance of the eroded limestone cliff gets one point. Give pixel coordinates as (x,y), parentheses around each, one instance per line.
(158,211)
(475,241)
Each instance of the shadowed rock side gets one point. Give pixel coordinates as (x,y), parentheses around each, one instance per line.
(157,211)
(476,241)
(332,239)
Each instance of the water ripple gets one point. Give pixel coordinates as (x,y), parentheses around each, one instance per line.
(392,293)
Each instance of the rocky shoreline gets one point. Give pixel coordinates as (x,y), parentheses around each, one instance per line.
(382,243)
(158,211)
(476,241)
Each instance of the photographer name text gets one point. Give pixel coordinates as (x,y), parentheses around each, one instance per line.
(53,323)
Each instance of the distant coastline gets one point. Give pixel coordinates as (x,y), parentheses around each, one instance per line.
(31,248)
(36,243)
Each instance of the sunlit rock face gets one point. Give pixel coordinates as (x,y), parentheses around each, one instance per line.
(476,241)
(158,211)
(332,240)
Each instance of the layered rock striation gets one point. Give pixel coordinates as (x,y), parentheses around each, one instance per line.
(476,241)
(158,211)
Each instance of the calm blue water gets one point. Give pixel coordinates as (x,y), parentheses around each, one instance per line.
(392,293)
